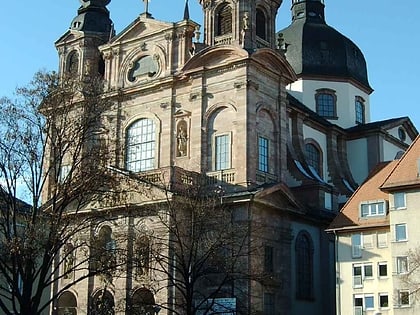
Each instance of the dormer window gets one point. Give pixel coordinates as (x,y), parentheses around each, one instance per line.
(372,209)
(224,20)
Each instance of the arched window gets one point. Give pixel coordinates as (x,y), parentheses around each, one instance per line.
(143,302)
(73,62)
(67,304)
(314,158)
(360,110)
(102,303)
(261,28)
(104,252)
(224,20)
(326,103)
(140,144)
(304,250)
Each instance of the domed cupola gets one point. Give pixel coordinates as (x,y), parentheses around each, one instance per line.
(93,16)
(315,50)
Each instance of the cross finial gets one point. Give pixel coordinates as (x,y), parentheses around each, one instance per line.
(146,6)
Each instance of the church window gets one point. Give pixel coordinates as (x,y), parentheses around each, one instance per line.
(143,302)
(73,62)
(360,110)
(67,304)
(224,20)
(304,265)
(261,24)
(314,158)
(222,152)
(263,154)
(140,145)
(326,100)
(102,303)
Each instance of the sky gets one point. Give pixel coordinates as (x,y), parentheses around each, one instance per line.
(386,31)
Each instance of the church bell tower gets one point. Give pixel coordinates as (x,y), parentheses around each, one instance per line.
(247,23)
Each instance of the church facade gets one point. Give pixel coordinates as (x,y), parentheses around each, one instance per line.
(279,120)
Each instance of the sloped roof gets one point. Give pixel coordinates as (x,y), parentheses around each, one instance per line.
(406,172)
(349,217)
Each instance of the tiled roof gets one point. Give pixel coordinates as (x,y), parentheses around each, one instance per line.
(406,172)
(348,217)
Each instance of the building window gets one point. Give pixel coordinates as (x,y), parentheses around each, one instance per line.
(404,297)
(325,101)
(304,265)
(67,304)
(399,200)
(368,240)
(401,134)
(382,269)
(356,245)
(402,264)
(383,300)
(382,239)
(360,110)
(268,259)
(140,143)
(269,304)
(314,158)
(261,24)
(143,302)
(222,152)
(360,273)
(401,232)
(102,303)
(224,20)
(372,209)
(363,303)
(263,154)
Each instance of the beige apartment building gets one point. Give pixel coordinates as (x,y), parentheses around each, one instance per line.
(374,234)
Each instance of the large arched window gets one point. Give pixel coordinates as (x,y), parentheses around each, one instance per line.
(314,157)
(140,144)
(261,27)
(102,303)
(304,250)
(143,302)
(326,103)
(67,304)
(224,20)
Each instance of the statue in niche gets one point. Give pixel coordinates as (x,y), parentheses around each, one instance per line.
(182,139)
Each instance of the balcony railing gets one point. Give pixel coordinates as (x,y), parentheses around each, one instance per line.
(223,40)
(221,177)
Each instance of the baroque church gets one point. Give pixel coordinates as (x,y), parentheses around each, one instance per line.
(279,119)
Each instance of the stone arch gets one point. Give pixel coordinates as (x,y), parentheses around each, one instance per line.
(143,302)
(102,303)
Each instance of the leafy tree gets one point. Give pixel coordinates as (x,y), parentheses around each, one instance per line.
(51,167)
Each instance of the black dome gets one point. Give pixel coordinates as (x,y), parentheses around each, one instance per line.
(315,49)
(93,17)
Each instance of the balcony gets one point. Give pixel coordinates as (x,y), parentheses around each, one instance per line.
(220,177)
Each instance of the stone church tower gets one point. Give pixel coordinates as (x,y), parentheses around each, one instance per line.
(243,108)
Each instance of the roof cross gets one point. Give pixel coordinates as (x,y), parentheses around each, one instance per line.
(146,6)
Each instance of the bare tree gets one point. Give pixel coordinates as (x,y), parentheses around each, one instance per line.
(409,267)
(52,157)
(196,251)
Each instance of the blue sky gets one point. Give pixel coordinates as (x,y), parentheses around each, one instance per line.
(386,31)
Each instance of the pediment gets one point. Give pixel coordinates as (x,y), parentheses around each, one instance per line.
(68,36)
(142,27)
(279,197)
(215,57)
(276,62)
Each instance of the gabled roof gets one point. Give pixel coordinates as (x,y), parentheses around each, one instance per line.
(406,173)
(349,216)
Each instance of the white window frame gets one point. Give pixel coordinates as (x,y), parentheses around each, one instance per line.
(405,238)
(373,209)
(382,263)
(380,242)
(401,261)
(359,310)
(356,249)
(399,298)
(403,199)
(379,300)
(215,149)
(358,280)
